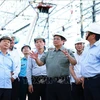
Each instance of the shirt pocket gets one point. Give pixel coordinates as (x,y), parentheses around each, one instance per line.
(62,60)
(92,58)
(50,57)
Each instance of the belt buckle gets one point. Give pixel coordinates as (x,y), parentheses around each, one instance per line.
(41,81)
(60,81)
(87,78)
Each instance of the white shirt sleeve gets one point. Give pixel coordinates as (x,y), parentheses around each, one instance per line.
(16,56)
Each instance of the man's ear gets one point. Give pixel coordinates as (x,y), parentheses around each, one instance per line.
(64,42)
(94,35)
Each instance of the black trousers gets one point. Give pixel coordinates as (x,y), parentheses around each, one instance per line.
(5,94)
(58,89)
(23,88)
(15,90)
(77,92)
(92,88)
(39,87)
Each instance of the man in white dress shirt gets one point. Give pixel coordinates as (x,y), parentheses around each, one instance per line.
(77,90)
(15,54)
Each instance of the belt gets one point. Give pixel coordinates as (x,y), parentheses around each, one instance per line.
(94,77)
(22,77)
(41,76)
(61,79)
(39,79)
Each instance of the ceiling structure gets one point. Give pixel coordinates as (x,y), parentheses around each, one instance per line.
(29,18)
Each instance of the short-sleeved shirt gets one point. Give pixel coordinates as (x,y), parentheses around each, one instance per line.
(23,67)
(56,62)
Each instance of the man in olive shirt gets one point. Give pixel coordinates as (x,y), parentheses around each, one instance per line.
(57,63)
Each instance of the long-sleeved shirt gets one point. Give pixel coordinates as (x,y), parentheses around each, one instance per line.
(7,65)
(16,57)
(34,70)
(91,60)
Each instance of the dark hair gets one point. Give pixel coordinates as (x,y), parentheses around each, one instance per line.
(42,40)
(5,38)
(62,38)
(25,46)
(97,37)
(39,39)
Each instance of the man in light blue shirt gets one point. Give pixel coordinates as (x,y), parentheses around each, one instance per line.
(7,66)
(37,75)
(91,63)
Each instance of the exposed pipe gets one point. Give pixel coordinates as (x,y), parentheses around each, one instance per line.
(2,2)
(81,13)
(21,28)
(93,12)
(31,29)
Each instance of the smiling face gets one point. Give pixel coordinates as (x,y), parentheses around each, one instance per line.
(5,44)
(26,50)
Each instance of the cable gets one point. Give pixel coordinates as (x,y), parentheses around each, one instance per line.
(16,16)
(2,2)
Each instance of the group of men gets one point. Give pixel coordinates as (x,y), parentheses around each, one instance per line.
(57,74)
(85,75)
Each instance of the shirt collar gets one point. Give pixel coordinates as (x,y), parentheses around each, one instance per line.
(96,43)
(38,53)
(62,48)
(24,58)
(6,53)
